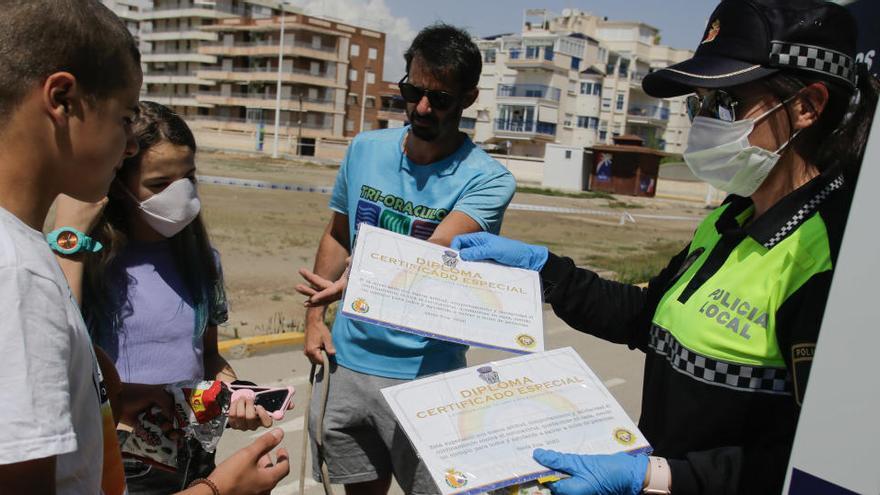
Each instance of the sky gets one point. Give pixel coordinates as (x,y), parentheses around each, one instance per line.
(681,22)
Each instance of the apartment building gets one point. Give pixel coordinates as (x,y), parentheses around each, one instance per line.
(573,79)
(330,75)
(216,62)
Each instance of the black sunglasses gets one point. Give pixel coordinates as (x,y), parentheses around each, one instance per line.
(718,104)
(439,100)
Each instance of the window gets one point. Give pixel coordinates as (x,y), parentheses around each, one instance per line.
(353,74)
(531,52)
(619,105)
(586,88)
(567,122)
(467,123)
(603,135)
(593,122)
(371,77)
(575,63)
(355,50)
(489,56)
(582,121)
(371,102)
(367,126)
(568,154)
(349,125)
(372,53)
(606,103)
(352,99)
(597,89)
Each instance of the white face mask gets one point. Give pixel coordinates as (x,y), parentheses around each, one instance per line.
(171,210)
(719,153)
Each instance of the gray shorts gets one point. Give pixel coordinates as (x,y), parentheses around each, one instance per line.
(362,441)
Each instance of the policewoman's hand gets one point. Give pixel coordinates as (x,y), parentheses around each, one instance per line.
(618,474)
(485,246)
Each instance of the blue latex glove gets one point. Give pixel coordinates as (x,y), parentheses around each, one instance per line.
(485,246)
(618,474)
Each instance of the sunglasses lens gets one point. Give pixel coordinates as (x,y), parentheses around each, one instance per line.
(410,93)
(440,101)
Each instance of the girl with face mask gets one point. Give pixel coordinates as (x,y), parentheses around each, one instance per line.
(781,113)
(153,297)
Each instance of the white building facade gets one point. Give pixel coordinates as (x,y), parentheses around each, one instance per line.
(573,79)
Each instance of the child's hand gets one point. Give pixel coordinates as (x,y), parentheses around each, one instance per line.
(251,470)
(80,215)
(244,415)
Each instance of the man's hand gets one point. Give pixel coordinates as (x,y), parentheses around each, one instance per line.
(251,471)
(618,474)
(317,337)
(320,291)
(80,215)
(485,246)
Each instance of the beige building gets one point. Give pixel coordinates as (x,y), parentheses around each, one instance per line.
(573,79)
(216,62)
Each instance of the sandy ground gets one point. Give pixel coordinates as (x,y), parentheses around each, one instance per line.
(264,236)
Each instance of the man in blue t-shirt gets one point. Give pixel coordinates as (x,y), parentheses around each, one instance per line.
(426,180)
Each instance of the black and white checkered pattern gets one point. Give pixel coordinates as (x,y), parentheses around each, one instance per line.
(813,58)
(741,377)
(804,212)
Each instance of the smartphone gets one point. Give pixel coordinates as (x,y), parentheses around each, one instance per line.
(274,400)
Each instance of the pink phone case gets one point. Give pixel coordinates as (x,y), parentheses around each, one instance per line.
(247,391)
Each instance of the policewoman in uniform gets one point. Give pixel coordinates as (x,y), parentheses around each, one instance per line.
(780,113)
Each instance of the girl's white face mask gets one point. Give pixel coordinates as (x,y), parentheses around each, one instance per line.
(719,153)
(170,211)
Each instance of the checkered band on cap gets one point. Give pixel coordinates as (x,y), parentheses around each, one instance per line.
(813,58)
(776,381)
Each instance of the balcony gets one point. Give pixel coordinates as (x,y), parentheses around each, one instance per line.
(177,33)
(188,11)
(180,77)
(529,91)
(169,100)
(648,114)
(528,127)
(533,58)
(270,49)
(309,130)
(259,100)
(172,56)
(270,74)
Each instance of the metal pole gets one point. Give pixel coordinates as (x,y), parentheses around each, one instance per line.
(299,135)
(278,86)
(364,95)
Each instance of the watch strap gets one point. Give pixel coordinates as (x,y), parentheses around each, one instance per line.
(660,477)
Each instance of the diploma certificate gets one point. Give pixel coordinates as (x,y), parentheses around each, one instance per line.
(476,428)
(422,288)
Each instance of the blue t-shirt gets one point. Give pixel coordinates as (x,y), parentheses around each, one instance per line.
(378,185)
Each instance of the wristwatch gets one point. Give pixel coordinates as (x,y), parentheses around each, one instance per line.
(660,478)
(67,240)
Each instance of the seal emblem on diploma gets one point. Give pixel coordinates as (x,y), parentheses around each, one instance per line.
(624,436)
(455,479)
(360,305)
(525,340)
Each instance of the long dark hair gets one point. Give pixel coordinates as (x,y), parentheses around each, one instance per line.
(105,306)
(836,142)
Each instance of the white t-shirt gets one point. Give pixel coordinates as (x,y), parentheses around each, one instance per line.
(49,395)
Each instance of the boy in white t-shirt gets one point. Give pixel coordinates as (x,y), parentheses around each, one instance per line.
(69,83)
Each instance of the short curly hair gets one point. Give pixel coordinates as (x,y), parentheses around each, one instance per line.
(447,50)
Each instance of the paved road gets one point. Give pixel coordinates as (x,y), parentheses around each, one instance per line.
(617,366)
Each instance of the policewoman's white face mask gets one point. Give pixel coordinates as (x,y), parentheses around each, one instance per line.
(719,153)
(171,210)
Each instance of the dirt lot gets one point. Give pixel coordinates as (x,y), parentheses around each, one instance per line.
(264,236)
